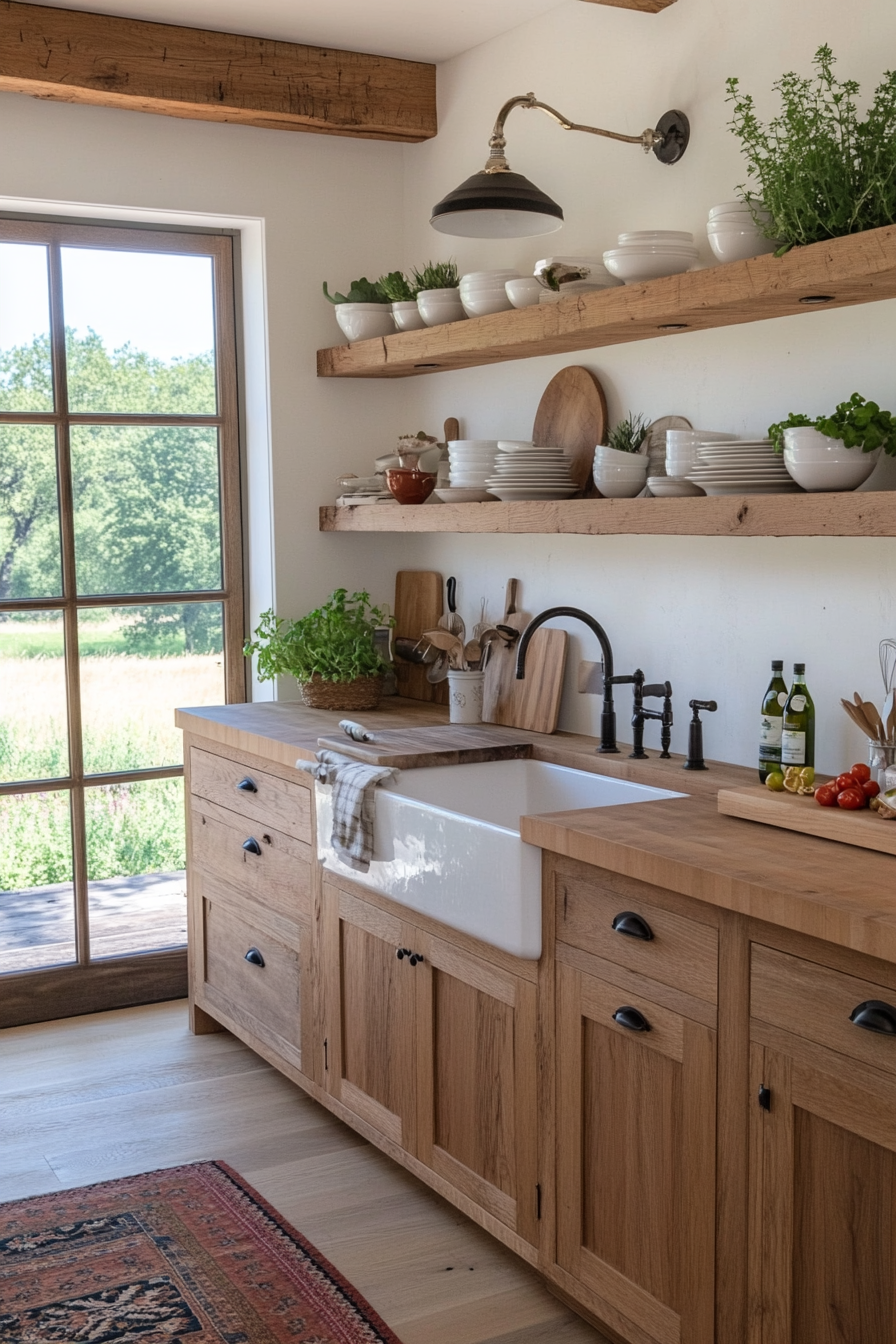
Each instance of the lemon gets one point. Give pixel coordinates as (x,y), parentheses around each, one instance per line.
(775,781)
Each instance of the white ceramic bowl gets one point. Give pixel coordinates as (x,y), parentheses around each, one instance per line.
(487,277)
(440,305)
(407,317)
(817,462)
(734,208)
(656,236)
(482,303)
(618,487)
(525,292)
(631,266)
(666,488)
(363,321)
(615,457)
(740,244)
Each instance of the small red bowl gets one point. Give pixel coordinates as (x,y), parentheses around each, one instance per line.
(410,487)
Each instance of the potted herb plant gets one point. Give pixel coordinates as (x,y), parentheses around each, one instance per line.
(364,312)
(821,171)
(620,468)
(330,652)
(837,451)
(403,296)
(438,295)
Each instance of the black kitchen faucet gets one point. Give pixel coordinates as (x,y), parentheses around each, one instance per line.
(608,714)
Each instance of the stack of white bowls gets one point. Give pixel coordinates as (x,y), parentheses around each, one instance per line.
(733,233)
(817,462)
(682,447)
(472,462)
(651,253)
(483,292)
(619,475)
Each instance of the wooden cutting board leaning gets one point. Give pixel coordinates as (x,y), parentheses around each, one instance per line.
(532,704)
(418,606)
(572,415)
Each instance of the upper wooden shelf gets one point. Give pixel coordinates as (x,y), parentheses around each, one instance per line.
(856,514)
(860,268)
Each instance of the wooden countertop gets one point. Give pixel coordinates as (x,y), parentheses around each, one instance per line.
(818,887)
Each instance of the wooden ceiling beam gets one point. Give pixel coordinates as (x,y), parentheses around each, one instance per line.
(75,57)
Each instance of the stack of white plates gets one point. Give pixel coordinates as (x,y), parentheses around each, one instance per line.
(525,472)
(471,462)
(741,467)
(651,253)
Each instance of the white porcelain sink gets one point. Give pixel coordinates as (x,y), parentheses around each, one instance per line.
(447,842)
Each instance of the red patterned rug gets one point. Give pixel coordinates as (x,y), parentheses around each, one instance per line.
(188,1254)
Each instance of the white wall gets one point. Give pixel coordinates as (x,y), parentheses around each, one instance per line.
(707,613)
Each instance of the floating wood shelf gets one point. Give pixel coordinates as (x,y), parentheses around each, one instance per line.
(836,274)
(856,514)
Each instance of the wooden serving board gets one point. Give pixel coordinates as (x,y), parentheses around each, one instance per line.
(793,813)
(532,704)
(447,744)
(572,415)
(418,606)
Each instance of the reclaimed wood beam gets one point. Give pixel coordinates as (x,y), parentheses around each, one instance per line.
(74,57)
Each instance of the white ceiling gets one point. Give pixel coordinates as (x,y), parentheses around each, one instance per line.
(420,30)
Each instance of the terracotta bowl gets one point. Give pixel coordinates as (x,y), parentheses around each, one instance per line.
(410,487)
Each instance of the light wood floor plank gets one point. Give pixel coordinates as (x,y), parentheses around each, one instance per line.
(94,1098)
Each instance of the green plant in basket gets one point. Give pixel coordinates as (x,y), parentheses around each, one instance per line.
(334,643)
(397,288)
(361,291)
(859,423)
(629,434)
(821,170)
(437,275)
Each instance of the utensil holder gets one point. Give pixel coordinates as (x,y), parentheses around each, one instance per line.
(465,691)
(879,757)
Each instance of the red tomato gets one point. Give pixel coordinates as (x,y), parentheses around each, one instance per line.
(826,795)
(845,781)
(870,788)
(860,773)
(851,799)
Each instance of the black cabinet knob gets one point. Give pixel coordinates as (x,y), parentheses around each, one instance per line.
(874,1015)
(633,926)
(631,1019)
(247,785)
(402,953)
(251,846)
(416,957)
(254,957)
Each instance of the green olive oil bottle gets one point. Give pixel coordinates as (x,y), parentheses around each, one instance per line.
(798,736)
(771,722)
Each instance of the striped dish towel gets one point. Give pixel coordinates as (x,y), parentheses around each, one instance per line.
(354,802)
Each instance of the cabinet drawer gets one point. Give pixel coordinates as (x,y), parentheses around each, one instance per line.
(264,800)
(278,876)
(680,952)
(815,1002)
(269,994)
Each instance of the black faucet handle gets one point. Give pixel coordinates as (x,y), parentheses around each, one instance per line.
(696,705)
(662,689)
(636,679)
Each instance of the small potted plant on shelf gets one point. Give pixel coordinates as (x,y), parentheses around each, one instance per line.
(403,296)
(364,312)
(838,451)
(438,294)
(330,652)
(620,465)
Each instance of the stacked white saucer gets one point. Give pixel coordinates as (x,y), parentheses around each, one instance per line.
(471,461)
(651,253)
(523,471)
(741,467)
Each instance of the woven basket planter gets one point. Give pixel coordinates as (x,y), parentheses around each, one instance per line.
(362,693)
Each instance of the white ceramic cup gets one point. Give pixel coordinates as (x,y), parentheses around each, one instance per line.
(362,321)
(465,692)
(406,316)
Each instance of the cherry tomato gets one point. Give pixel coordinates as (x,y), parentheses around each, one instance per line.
(826,795)
(870,788)
(860,773)
(845,781)
(851,799)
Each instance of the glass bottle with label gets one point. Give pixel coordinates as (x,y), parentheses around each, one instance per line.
(798,735)
(771,721)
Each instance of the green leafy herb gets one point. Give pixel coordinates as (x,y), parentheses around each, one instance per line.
(859,423)
(822,171)
(362,291)
(397,288)
(629,434)
(335,641)
(437,275)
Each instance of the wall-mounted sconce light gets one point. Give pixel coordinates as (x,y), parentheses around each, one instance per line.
(498,203)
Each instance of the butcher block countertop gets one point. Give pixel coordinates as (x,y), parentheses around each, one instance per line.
(818,887)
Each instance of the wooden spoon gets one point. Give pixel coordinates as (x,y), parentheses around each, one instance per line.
(873,717)
(472,652)
(856,715)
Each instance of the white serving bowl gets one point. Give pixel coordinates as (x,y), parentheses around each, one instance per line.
(618,487)
(734,208)
(487,277)
(525,292)
(656,236)
(817,462)
(739,244)
(363,321)
(665,488)
(483,302)
(406,316)
(632,266)
(617,471)
(615,457)
(440,305)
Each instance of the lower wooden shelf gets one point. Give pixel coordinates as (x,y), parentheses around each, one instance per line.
(854,514)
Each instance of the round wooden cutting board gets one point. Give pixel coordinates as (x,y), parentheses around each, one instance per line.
(572,415)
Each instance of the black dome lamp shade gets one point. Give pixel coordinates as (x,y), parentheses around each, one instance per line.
(498,203)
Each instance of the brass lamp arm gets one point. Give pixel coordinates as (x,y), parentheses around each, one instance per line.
(497,163)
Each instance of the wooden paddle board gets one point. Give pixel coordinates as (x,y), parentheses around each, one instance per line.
(572,415)
(446,744)
(795,813)
(418,606)
(532,704)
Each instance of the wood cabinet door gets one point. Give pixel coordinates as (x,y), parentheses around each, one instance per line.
(636,1159)
(370,1045)
(823,1200)
(476,1082)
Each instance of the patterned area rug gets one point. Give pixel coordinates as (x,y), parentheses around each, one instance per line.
(189,1254)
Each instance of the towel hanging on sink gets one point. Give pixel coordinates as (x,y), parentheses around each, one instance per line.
(354,803)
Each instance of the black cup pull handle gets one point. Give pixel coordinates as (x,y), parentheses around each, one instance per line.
(254,957)
(247,785)
(416,957)
(874,1015)
(251,846)
(633,926)
(631,1019)
(402,953)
